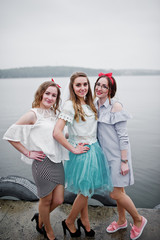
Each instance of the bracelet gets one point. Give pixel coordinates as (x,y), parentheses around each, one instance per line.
(28,154)
(124,161)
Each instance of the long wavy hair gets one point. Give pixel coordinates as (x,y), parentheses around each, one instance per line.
(79,113)
(39,95)
(112,87)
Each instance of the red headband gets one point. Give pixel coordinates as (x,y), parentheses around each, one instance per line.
(56,83)
(108,75)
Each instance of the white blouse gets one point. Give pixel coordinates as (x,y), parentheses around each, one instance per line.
(39,136)
(82,131)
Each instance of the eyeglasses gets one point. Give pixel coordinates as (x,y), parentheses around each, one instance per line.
(103,86)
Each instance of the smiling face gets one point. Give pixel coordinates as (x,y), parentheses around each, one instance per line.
(80,87)
(49,97)
(102,88)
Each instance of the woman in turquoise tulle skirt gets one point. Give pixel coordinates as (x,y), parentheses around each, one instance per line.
(86,171)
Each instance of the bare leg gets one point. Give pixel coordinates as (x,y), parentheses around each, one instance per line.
(84,217)
(121,212)
(124,202)
(44,211)
(55,199)
(78,205)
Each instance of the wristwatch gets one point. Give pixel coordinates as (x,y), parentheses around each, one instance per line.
(124,161)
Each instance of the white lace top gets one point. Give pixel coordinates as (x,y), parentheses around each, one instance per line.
(82,131)
(38,137)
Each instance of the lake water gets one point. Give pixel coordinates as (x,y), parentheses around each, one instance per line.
(139,94)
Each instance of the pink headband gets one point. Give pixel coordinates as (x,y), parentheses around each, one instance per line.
(108,75)
(56,83)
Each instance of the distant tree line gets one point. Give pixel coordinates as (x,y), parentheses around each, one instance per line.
(66,71)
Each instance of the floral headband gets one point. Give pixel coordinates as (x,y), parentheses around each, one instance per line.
(55,83)
(109,75)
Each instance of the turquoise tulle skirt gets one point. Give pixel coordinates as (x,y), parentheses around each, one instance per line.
(88,173)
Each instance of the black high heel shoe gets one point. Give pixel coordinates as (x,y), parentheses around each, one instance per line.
(36,218)
(91,233)
(75,234)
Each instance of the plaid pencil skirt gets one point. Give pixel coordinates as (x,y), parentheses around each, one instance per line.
(47,175)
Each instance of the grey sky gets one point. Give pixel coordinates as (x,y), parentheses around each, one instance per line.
(88,33)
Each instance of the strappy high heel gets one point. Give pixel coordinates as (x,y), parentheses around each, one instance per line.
(36,218)
(75,234)
(91,233)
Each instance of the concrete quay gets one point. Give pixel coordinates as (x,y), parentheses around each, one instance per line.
(15,222)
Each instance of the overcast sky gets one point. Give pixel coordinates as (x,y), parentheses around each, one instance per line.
(87,33)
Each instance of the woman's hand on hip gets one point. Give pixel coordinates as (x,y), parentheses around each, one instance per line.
(81,148)
(36,155)
(124,168)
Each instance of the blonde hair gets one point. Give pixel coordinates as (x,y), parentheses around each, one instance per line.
(39,95)
(79,113)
